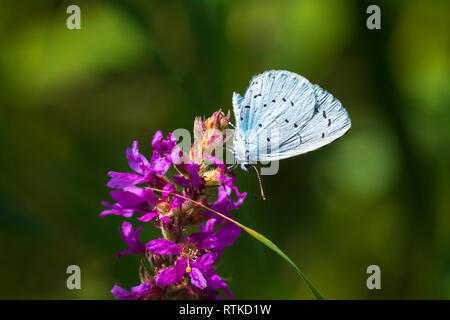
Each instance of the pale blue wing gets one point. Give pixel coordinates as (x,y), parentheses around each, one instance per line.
(237,98)
(274,99)
(330,121)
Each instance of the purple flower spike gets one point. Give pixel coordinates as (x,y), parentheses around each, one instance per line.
(171,205)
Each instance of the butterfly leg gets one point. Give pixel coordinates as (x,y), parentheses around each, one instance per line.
(234,165)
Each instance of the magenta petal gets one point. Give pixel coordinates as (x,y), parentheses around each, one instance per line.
(160,164)
(224,237)
(165,219)
(116,209)
(141,289)
(127,213)
(214,280)
(193,172)
(168,188)
(121,180)
(136,161)
(178,156)
(148,216)
(181,181)
(127,229)
(106,212)
(172,275)
(126,199)
(209,225)
(157,139)
(197,278)
(205,261)
(124,252)
(135,293)
(121,294)
(131,238)
(107,204)
(198,237)
(177,202)
(163,246)
(166,146)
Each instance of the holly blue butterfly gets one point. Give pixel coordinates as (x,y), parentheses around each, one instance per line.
(283,115)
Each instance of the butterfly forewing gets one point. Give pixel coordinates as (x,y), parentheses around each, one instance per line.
(330,121)
(282,114)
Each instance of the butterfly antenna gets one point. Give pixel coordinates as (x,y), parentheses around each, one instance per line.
(260,183)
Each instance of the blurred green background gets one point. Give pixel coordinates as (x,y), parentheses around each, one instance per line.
(72,101)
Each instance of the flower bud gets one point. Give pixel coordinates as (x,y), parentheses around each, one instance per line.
(209,134)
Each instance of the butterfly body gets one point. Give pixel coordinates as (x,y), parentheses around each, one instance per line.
(283,115)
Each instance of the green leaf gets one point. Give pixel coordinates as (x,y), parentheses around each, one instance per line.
(275,248)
